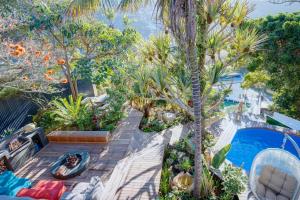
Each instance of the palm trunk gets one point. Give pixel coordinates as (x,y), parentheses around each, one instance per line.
(191,56)
(201,47)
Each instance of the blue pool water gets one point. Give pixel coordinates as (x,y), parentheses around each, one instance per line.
(247,143)
(232,78)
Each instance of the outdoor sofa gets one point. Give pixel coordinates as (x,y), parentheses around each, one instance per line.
(10,184)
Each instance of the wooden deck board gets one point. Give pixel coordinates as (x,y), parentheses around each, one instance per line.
(142,180)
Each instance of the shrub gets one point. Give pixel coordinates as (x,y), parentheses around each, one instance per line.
(44,118)
(152,125)
(234,182)
(117,98)
(64,113)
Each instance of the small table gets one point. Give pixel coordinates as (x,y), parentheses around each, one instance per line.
(84,157)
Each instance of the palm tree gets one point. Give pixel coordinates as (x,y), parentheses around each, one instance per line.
(182,19)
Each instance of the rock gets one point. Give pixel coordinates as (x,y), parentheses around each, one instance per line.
(159,115)
(99,100)
(168,117)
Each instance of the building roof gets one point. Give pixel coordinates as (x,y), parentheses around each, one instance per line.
(288,121)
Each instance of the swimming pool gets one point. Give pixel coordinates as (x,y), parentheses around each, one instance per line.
(232,78)
(250,141)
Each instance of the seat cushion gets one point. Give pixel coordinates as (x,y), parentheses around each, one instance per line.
(97,191)
(12,184)
(266,175)
(50,190)
(54,185)
(38,194)
(4,190)
(260,190)
(4,197)
(270,195)
(280,197)
(289,186)
(279,182)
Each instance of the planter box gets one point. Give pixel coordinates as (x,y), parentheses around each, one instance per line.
(79,136)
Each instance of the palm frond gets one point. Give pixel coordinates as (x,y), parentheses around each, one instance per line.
(133,5)
(84,7)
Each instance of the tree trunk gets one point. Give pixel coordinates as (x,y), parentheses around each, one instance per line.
(71,84)
(73,88)
(191,56)
(147,109)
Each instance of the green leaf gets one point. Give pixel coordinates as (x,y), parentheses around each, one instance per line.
(220,156)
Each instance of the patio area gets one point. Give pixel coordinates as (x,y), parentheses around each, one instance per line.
(141,181)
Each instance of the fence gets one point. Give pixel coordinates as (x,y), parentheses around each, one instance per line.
(17,111)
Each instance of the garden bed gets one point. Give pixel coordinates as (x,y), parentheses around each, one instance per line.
(178,175)
(162,116)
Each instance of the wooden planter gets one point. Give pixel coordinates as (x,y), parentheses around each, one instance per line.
(79,136)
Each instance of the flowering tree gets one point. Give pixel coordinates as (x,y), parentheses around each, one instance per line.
(84,49)
(26,65)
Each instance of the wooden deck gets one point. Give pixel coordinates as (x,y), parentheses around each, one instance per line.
(142,180)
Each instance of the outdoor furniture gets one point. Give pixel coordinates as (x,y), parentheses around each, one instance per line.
(61,170)
(83,191)
(79,136)
(11,184)
(275,174)
(4,197)
(4,163)
(50,190)
(275,184)
(21,146)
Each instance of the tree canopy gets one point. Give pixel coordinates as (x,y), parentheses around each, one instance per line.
(281,60)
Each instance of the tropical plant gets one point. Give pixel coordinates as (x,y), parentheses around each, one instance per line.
(71,113)
(220,156)
(208,185)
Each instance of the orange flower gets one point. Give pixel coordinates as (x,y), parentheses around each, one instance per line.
(64,81)
(61,61)
(25,78)
(38,53)
(48,78)
(18,46)
(14,53)
(47,58)
(50,71)
(12,45)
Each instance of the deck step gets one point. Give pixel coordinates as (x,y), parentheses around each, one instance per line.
(79,136)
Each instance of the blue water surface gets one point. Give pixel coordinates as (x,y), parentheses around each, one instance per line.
(247,143)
